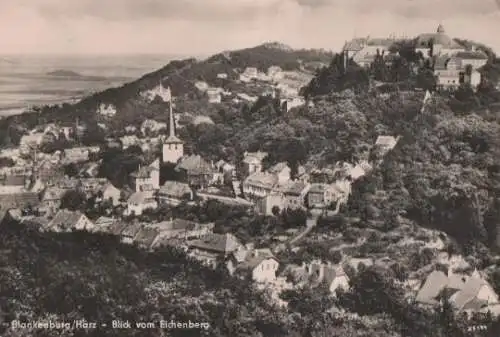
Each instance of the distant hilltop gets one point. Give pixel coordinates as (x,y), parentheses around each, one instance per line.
(72,75)
(64,73)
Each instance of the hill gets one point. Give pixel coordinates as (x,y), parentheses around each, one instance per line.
(79,276)
(64,73)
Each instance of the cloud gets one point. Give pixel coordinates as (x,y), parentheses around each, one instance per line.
(196,26)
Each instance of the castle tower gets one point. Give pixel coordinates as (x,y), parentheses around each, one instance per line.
(173,147)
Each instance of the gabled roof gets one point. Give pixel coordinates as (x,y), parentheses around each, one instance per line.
(468,292)
(254,259)
(53,193)
(131,230)
(175,224)
(146,236)
(221,243)
(471,55)
(354,45)
(263,179)
(66,219)
(277,168)
(194,164)
(434,284)
(175,188)
(389,141)
(143,172)
(252,157)
(319,188)
(380,42)
(296,188)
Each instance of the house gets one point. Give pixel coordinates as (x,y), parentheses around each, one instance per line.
(104,224)
(252,161)
(466,293)
(260,264)
(222,76)
(51,200)
(146,236)
(359,170)
(110,193)
(78,154)
(129,232)
(474,79)
(386,143)
(228,170)
(282,171)
(91,186)
(128,141)
(214,95)
(181,229)
(201,86)
(174,192)
(106,110)
(196,171)
(150,126)
(260,184)
(266,204)
(18,198)
(29,142)
(202,120)
(67,221)
(295,193)
(370,47)
(323,195)
(475,59)
(147,178)
(290,103)
(140,201)
(214,248)
(334,277)
(275,73)
(249,74)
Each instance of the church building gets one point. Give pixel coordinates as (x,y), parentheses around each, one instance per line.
(173,147)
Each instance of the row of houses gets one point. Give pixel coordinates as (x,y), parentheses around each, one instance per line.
(274,188)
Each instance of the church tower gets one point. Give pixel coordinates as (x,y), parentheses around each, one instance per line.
(173,147)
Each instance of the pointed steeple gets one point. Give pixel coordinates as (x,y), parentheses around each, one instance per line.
(167,97)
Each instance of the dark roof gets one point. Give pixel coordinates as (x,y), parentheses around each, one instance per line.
(471,55)
(255,258)
(19,200)
(194,164)
(296,188)
(117,227)
(276,169)
(222,243)
(175,188)
(354,45)
(131,230)
(146,236)
(176,224)
(65,219)
(13,180)
(143,172)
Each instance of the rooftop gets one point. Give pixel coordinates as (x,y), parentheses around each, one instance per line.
(221,243)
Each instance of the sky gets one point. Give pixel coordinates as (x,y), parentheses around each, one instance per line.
(203,27)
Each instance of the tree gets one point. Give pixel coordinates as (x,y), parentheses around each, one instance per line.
(73,200)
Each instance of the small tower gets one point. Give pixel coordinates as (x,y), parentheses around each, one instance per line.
(173,147)
(440,29)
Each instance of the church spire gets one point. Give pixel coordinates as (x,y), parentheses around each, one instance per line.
(171,123)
